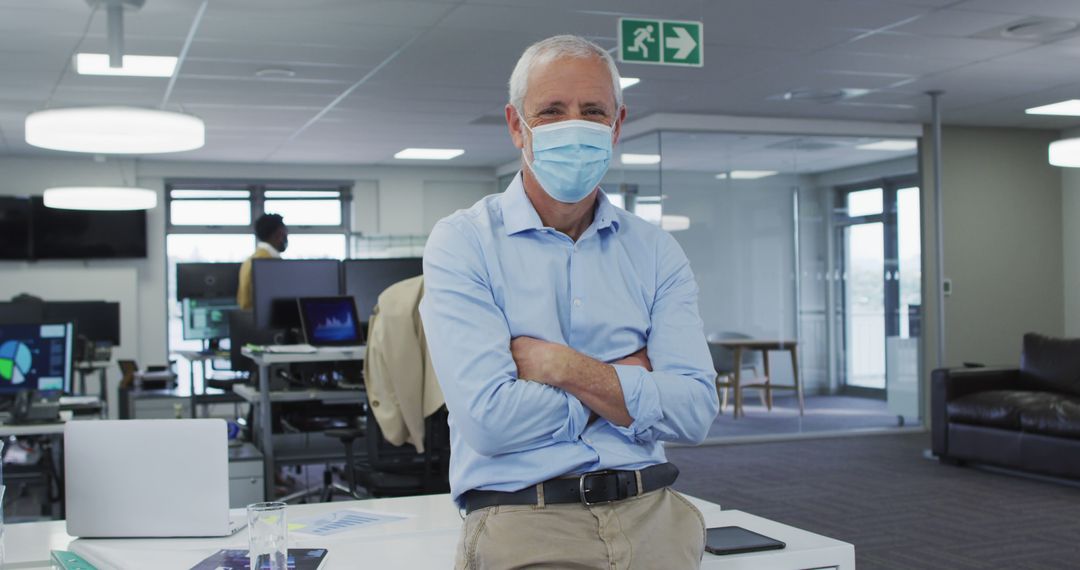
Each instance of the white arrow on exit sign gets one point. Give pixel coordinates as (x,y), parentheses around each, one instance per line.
(683,42)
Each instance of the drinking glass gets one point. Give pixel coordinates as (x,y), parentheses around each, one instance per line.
(268,535)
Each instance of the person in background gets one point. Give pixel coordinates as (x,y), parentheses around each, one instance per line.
(273,239)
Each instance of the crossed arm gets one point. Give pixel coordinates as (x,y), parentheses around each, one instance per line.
(538,392)
(593,382)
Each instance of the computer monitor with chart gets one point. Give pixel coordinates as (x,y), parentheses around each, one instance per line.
(366,279)
(329,321)
(35,356)
(206,319)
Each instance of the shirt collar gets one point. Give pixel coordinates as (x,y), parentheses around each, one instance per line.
(520,215)
(269,248)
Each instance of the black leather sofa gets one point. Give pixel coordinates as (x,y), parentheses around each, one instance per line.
(1026,418)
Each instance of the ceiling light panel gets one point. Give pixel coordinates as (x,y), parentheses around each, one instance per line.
(1070,108)
(114,130)
(629,158)
(99,198)
(134,65)
(745,174)
(429,153)
(894,145)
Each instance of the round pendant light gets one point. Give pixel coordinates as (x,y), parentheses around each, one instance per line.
(1065,152)
(101,198)
(114,130)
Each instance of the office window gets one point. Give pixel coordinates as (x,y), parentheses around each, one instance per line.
(322,212)
(212,221)
(864,203)
(316,246)
(208,207)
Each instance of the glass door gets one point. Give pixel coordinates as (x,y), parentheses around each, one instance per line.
(879,289)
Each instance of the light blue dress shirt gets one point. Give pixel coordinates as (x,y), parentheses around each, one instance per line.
(495,272)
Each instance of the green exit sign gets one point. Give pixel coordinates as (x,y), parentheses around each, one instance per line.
(660,42)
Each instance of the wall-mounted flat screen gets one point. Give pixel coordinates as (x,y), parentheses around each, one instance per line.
(14,227)
(77,234)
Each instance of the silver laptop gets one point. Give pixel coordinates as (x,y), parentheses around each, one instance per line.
(147,478)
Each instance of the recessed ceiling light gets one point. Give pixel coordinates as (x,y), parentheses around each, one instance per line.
(133,65)
(629,158)
(627,82)
(1065,152)
(820,95)
(890,145)
(99,198)
(745,174)
(114,130)
(429,153)
(274,73)
(1038,28)
(1070,108)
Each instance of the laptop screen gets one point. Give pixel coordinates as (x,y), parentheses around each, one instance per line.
(329,320)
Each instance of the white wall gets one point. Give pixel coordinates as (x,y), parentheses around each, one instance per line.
(388,200)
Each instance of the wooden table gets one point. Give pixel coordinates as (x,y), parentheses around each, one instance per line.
(739,345)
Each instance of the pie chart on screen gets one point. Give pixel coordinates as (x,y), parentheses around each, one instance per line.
(15,361)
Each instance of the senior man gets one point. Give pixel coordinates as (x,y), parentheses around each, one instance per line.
(566,337)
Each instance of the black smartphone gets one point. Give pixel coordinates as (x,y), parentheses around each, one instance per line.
(737,540)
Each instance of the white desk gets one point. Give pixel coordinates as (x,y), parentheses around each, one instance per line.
(427,539)
(201,358)
(263,424)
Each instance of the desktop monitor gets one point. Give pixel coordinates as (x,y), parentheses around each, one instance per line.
(366,279)
(278,283)
(207,280)
(14,313)
(329,321)
(35,356)
(98,321)
(207,319)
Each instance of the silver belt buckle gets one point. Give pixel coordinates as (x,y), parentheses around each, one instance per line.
(581,487)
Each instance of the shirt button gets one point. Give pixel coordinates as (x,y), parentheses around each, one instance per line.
(577,302)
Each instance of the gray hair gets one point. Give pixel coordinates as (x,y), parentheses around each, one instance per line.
(553,48)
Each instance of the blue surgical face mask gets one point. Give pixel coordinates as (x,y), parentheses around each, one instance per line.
(569,157)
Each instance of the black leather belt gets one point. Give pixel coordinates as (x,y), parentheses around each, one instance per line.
(588,489)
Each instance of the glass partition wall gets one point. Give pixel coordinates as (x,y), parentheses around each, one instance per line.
(808,242)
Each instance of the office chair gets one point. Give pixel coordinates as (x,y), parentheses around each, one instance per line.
(389,471)
(724,363)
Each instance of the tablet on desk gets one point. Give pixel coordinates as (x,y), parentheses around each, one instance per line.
(738,540)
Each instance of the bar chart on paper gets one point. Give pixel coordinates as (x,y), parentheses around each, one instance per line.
(340,521)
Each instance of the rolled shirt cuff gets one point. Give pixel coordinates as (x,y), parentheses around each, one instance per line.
(642,399)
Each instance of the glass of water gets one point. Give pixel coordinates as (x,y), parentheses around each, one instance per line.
(268,535)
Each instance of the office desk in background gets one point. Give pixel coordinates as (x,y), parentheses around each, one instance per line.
(51,436)
(425,539)
(85,368)
(739,346)
(263,436)
(200,357)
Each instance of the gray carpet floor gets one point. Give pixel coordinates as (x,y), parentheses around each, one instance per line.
(901,511)
(822,413)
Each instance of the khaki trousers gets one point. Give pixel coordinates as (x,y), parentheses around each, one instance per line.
(660,530)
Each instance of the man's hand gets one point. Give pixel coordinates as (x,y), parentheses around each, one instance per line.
(639,358)
(593,382)
(541,361)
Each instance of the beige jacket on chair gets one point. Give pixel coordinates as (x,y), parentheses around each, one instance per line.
(401,385)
